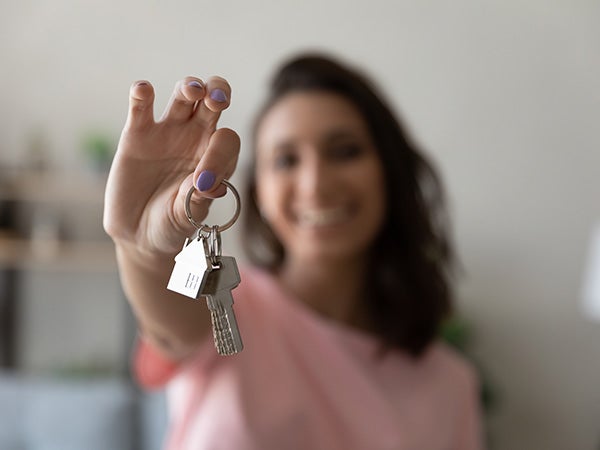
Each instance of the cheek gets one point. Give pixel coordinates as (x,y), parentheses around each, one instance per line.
(268,196)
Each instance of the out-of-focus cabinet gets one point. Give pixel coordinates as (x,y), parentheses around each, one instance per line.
(59,290)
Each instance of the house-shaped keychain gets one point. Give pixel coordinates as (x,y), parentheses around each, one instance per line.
(191,268)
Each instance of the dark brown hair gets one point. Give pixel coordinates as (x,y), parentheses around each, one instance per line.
(408,293)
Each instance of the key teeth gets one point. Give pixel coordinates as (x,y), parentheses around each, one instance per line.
(222,333)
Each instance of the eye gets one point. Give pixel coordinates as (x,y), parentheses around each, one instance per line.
(285,160)
(345,151)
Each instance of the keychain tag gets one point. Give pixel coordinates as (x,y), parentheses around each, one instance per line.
(191,268)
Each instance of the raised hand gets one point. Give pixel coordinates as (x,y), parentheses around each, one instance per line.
(157,162)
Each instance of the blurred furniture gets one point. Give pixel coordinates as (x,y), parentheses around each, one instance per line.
(52,222)
(54,254)
(42,413)
(8,282)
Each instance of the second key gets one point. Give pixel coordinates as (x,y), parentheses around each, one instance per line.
(217,290)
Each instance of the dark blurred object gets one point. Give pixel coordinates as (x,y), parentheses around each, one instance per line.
(8,280)
(8,315)
(7,202)
(7,215)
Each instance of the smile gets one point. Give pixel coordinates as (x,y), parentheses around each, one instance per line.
(323,217)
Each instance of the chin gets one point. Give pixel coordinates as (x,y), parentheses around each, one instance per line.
(319,252)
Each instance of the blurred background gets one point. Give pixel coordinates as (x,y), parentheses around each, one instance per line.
(503,95)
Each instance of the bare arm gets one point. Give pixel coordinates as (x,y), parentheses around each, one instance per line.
(155,165)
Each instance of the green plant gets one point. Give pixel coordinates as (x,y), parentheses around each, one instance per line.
(99,148)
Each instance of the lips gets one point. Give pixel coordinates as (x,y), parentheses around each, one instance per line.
(323,217)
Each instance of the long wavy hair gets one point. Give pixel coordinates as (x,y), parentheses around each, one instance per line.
(410,261)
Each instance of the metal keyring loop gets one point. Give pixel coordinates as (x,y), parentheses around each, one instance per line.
(206,228)
(214,245)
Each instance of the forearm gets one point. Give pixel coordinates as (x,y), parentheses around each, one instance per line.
(172,322)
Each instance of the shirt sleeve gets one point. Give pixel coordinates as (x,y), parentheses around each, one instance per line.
(151,368)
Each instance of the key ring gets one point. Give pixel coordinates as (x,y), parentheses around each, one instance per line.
(214,245)
(206,228)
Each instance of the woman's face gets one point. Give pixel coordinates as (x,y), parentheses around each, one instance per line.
(319,178)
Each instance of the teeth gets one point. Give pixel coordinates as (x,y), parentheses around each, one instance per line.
(322,217)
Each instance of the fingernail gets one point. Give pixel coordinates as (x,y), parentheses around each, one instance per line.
(206,180)
(142,83)
(195,84)
(218,95)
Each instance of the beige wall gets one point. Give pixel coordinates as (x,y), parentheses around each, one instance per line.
(505,96)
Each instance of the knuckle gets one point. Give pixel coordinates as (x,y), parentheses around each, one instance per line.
(113,229)
(228,139)
(231,136)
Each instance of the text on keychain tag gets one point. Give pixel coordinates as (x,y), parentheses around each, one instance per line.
(191,268)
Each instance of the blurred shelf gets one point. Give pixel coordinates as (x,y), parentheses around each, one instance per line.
(65,187)
(61,256)
(50,223)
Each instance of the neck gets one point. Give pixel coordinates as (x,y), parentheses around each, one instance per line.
(332,288)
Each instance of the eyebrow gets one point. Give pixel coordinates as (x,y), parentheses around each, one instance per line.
(337,134)
(341,134)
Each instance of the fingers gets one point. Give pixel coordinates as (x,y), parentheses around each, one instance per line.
(217,99)
(204,102)
(186,94)
(218,162)
(141,105)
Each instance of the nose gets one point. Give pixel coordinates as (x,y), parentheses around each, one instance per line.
(315,179)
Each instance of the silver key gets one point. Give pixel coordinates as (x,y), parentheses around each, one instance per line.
(192,266)
(221,280)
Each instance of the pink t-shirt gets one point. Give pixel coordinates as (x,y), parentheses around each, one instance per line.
(307,383)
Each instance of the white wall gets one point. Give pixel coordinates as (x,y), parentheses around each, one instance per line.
(503,94)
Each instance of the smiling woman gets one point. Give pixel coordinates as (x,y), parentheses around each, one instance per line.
(319,179)
(327,145)
(340,315)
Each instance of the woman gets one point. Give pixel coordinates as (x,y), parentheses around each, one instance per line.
(341,309)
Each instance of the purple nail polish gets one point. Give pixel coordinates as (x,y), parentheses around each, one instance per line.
(218,95)
(206,180)
(195,84)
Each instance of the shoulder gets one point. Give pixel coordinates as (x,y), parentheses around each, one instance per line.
(450,370)
(440,370)
(447,355)
(458,388)
(445,358)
